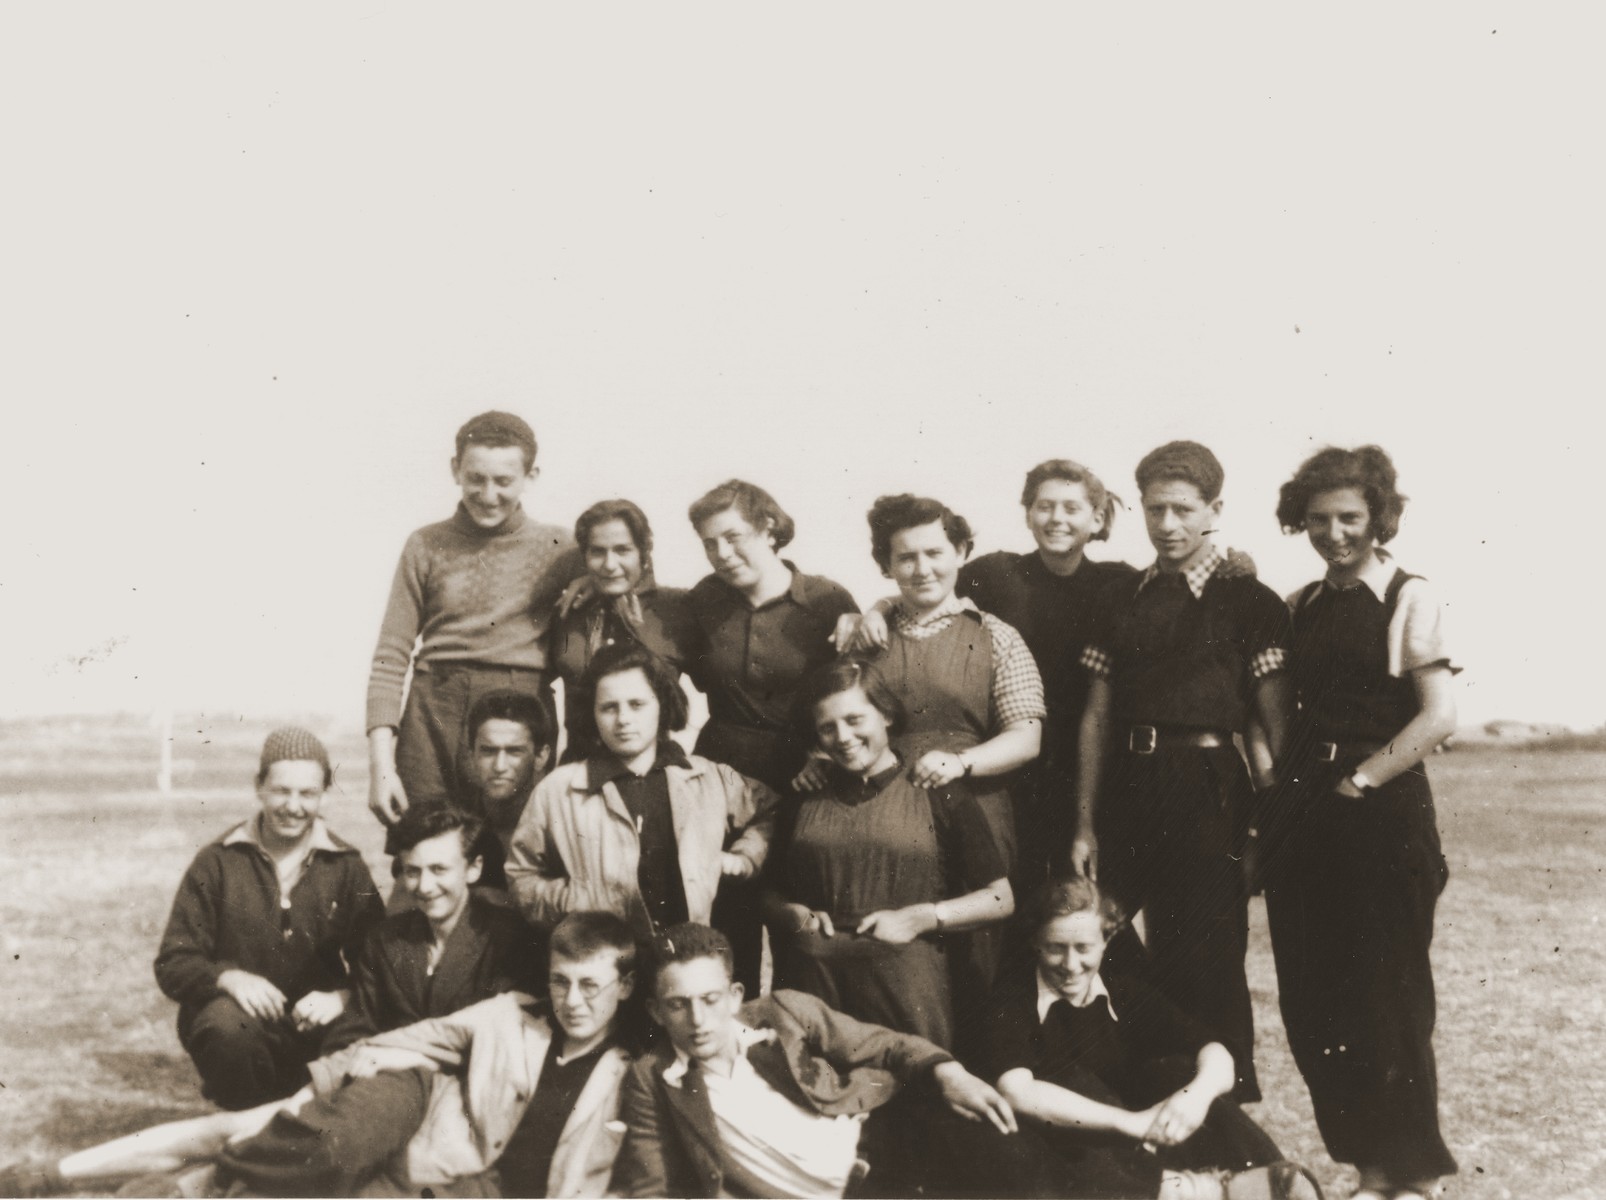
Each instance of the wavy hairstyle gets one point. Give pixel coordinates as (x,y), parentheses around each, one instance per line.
(1367,469)
(893,514)
(1185,462)
(751,502)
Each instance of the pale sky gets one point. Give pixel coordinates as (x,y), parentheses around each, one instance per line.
(259,264)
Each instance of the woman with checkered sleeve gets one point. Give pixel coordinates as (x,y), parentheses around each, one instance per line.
(1354,865)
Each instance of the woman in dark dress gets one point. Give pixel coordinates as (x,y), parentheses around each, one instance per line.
(762,626)
(622,602)
(873,871)
(1355,868)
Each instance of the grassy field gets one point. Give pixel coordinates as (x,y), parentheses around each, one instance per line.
(92,856)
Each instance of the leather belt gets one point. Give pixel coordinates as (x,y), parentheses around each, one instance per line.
(1333,752)
(1146,739)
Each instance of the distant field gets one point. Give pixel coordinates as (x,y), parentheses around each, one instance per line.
(92,855)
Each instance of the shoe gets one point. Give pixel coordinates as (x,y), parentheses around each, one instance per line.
(31,1177)
(1284,1180)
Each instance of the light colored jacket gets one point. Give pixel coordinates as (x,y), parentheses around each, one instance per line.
(576,850)
(474,1110)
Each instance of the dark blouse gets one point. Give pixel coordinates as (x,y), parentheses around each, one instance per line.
(1057,615)
(1108,1039)
(860,846)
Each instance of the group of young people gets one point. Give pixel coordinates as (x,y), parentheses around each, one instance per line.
(1081,740)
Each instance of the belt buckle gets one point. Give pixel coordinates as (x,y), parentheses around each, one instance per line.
(1143,739)
(1326,751)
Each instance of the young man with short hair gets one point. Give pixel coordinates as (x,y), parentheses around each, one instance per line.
(263,925)
(769,1098)
(468,613)
(1190,661)
(497,1099)
(453,947)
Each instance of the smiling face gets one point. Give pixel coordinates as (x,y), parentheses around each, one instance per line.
(1062,518)
(853,732)
(437,873)
(1339,525)
(739,554)
(696,1002)
(291,794)
(505,758)
(1180,521)
(612,558)
(924,564)
(586,994)
(1069,951)
(626,712)
(492,478)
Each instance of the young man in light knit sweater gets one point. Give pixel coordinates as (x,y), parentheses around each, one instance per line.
(468,612)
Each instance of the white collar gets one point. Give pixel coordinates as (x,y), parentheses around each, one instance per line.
(249,832)
(746,1037)
(1047,995)
(1377,575)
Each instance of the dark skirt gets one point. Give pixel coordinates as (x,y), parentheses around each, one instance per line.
(902,987)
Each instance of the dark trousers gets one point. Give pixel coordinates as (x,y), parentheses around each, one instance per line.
(1171,835)
(1350,899)
(244,1062)
(336,1144)
(432,743)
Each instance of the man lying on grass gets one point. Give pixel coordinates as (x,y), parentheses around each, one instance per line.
(497,1099)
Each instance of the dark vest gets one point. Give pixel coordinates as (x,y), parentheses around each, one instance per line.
(1340,665)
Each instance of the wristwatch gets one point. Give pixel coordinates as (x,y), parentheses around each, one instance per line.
(965,763)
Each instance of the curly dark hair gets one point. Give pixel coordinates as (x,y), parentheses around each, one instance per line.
(431,819)
(893,514)
(752,503)
(1100,497)
(509,704)
(1368,469)
(616,659)
(1186,462)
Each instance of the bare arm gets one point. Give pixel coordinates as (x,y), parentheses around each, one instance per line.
(1274,706)
(1013,746)
(1055,1105)
(984,906)
(1434,722)
(1093,740)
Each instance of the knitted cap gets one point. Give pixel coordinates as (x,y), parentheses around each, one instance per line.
(295,743)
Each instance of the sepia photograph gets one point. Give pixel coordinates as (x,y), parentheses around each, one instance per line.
(871,600)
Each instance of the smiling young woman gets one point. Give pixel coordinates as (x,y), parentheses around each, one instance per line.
(1356,869)
(874,870)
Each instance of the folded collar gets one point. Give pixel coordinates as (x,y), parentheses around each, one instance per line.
(1046,996)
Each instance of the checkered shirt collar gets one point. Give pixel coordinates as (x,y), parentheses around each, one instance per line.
(1195,576)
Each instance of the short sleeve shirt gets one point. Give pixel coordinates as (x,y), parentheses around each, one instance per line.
(1185,652)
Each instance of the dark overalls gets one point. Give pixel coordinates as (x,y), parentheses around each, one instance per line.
(1351,890)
